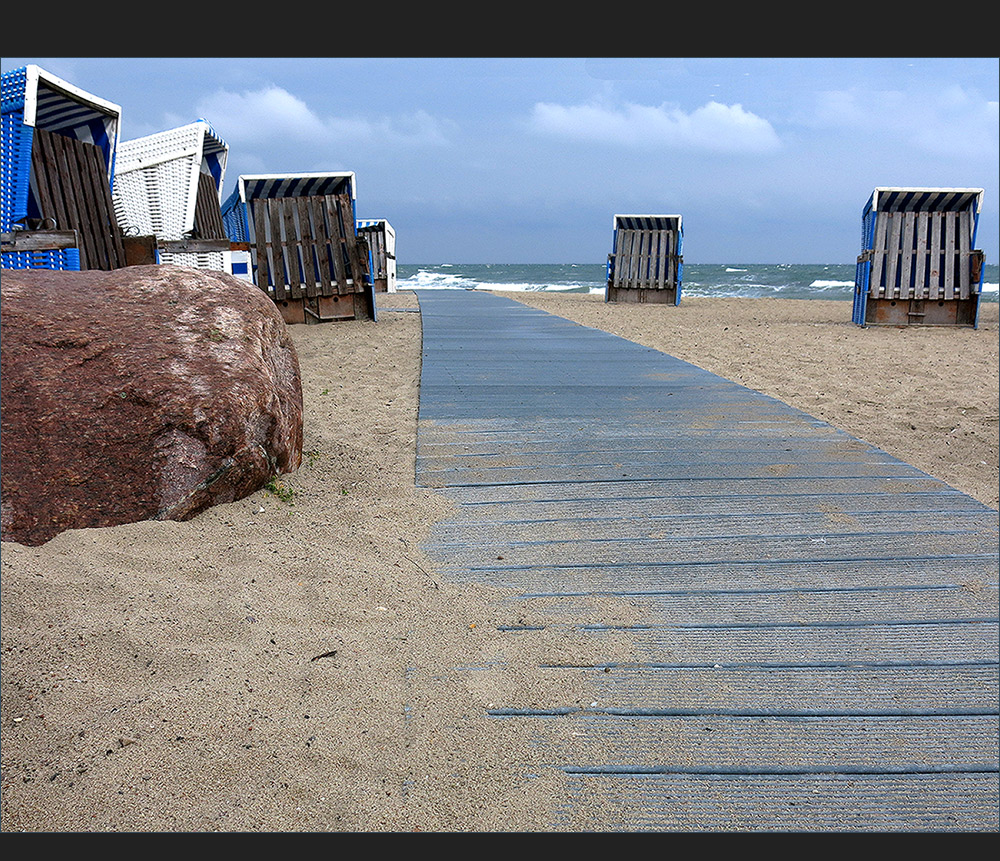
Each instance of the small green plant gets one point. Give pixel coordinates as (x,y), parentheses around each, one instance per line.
(276,488)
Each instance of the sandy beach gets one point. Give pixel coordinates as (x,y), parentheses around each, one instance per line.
(293,662)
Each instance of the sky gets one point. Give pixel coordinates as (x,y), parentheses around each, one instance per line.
(528,159)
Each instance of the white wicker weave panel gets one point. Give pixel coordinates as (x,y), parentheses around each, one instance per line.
(131,204)
(161,145)
(215,261)
(172,187)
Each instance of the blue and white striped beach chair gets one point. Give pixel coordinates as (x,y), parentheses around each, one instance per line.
(646,262)
(303,244)
(381,252)
(917,264)
(44,120)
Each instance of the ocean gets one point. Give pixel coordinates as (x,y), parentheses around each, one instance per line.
(782,280)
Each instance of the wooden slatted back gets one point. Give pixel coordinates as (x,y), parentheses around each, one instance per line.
(922,255)
(207,211)
(70,183)
(377,245)
(645,259)
(306,246)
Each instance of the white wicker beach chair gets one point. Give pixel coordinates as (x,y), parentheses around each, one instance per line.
(169,185)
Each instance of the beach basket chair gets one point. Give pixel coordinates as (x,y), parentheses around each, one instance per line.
(58,161)
(304,248)
(168,185)
(918,265)
(646,262)
(381,253)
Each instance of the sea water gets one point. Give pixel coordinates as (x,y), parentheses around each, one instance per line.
(755,280)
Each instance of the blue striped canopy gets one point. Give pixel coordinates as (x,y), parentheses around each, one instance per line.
(648,222)
(52,104)
(925,200)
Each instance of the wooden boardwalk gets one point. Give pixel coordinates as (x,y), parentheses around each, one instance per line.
(814,634)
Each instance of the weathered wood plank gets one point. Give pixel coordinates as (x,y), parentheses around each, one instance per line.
(348,239)
(72,179)
(38,240)
(669,259)
(964,254)
(307,243)
(645,256)
(907,249)
(892,249)
(107,223)
(948,243)
(279,275)
(71,186)
(259,208)
(207,212)
(49,168)
(322,245)
(663,260)
(920,252)
(336,250)
(359,261)
(51,206)
(879,258)
(194,246)
(934,280)
(628,269)
(633,268)
(624,259)
(290,247)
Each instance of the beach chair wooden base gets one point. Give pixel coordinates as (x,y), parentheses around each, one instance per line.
(920,312)
(666,296)
(140,250)
(325,309)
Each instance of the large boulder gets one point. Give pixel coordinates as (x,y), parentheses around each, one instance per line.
(149,392)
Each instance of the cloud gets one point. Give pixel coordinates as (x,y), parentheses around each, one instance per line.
(418,128)
(946,122)
(255,117)
(962,126)
(715,127)
(272,113)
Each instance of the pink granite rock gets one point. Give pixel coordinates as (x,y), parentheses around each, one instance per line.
(149,392)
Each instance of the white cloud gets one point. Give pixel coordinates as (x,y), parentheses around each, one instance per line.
(947,122)
(959,125)
(248,118)
(273,113)
(415,129)
(715,127)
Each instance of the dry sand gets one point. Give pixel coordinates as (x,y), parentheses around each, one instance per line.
(292,661)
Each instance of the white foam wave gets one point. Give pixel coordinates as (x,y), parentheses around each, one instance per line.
(537,288)
(425,280)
